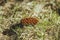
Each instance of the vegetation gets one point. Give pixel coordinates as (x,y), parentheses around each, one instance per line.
(47,28)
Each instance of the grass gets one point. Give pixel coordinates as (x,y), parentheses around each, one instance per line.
(46,29)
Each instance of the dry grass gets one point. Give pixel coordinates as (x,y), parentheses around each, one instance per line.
(48,27)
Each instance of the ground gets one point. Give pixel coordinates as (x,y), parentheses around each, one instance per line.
(48,27)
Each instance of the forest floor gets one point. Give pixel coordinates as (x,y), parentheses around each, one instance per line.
(12,11)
